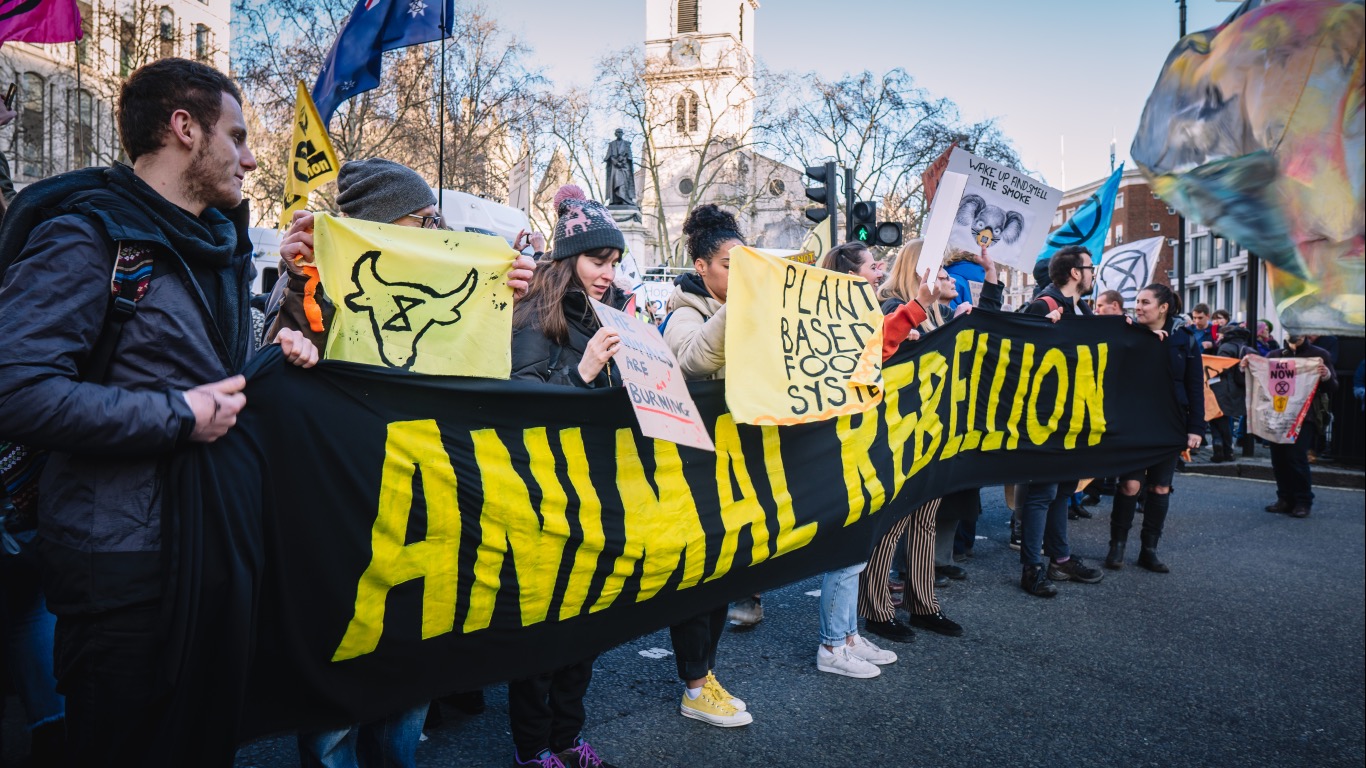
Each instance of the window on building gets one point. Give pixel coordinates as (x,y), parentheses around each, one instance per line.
(87,31)
(1119,233)
(685,112)
(1109,237)
(687,16)
(201,42)
(81,118)
(1220,252)
(1057,217)
(1228,294)
(166,30)
(32,125)
(126,44)
(1119,200)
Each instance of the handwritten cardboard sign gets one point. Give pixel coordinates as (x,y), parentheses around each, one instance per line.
(803,344)
(658,393)
(1001,208)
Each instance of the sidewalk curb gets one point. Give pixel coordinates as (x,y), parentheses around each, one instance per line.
(1324,476)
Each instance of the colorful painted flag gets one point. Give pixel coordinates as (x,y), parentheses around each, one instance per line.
(929,180)
(375,26)
(1254,129)
(39,21)
(1089,225)
(312,162)
(423,300)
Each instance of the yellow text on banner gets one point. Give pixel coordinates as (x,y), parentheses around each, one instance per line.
(312,162)
(803,344)
(424,300)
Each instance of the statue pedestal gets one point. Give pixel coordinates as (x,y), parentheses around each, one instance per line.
(628,221)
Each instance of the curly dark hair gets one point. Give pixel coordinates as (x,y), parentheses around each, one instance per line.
(153,92)
(1064,261)
(706,228)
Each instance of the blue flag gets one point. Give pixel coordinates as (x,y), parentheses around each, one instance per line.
(1089,224)
(375,26)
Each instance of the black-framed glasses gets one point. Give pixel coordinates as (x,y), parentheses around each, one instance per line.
(428,222)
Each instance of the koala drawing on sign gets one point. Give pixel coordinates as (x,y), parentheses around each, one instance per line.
(989,224)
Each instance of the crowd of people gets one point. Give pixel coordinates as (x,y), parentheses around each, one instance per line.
(106,401)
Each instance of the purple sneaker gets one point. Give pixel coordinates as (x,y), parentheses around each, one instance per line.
(581,755)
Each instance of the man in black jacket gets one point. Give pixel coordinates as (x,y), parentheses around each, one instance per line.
(1290,463)
(172,379)
(1043,515)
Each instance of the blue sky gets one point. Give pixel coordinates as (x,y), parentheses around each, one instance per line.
(1048,69)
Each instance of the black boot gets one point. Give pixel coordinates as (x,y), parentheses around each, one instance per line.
(1147,556)
(1114,560)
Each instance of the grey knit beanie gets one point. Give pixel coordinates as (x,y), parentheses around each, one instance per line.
(381,190)
(583,225)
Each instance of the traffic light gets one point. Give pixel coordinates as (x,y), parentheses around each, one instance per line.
(823,193)
(862,225)
(888,233)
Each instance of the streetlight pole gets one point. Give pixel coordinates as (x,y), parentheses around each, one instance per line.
(1180,219)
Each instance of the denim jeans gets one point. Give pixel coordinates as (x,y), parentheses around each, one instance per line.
(1043,522)
(839,604)
(388,743)
(28,628)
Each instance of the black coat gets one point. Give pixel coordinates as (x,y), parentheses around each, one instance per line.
(537,357)
(1188,377)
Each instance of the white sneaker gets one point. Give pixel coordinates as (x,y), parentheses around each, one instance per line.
(843,662)
(864,649)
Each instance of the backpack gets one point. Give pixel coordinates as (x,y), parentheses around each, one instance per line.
(21,465)
(1048,301)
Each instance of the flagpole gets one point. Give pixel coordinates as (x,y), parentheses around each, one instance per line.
(441,119)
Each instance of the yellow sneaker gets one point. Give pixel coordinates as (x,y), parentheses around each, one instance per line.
(721,694)
(707,708)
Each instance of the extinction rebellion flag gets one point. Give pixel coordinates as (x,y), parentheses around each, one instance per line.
(363,533)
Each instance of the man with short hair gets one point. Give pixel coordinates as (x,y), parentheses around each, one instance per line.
(1043,515)
(1200,327)
(1110,303)
(172,380)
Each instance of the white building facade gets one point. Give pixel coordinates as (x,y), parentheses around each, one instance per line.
(66,92)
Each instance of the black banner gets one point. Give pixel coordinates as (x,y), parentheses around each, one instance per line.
(383,538)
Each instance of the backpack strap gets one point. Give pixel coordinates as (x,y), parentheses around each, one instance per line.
(1052,303)
(131,278)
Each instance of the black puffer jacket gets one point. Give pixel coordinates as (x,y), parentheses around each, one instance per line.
(99,516)
(535,356)
(1188,377)
(1230,389)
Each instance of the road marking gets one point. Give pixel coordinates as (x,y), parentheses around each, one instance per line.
(656,653)
(814,593)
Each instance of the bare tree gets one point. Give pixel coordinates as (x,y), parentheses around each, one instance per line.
(486,106)
(884,126)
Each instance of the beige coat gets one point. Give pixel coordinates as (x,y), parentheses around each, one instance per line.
(696,332)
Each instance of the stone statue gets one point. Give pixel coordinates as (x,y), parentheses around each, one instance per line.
(621,172)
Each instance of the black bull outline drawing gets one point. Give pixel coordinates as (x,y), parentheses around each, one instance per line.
(401,313)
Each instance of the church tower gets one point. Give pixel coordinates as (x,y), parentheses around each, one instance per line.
(701,68)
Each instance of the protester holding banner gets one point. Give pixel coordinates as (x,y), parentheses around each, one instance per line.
(1043,513)
(1290,462)
(174,225)
(557,338)
(371,190)
(843,651)
(387,192)
(1156,308)
(1229,388)
(695,329)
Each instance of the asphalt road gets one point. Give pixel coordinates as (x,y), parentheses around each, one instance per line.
(1251,652)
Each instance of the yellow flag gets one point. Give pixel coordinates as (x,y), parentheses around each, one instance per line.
(814,243)
(424,300)
(312,161)
(802,343)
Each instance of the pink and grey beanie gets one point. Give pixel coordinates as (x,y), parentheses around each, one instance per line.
(583,225)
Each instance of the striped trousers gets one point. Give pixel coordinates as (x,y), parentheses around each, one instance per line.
(875,594)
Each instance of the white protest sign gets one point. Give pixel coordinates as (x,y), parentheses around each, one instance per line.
(657,292)
(1279,394)
(943,211)
(658,393)
(1001,208)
